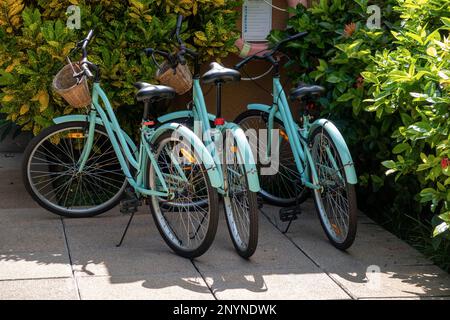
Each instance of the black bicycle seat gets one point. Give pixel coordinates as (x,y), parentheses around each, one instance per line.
(149,91)
(304,90)
(219,73)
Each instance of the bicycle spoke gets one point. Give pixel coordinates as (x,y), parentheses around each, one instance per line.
(54,175)
(333,195)
(186,220)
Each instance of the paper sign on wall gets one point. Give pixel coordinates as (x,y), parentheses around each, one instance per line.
(256,19)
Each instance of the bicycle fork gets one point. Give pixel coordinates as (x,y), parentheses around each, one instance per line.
(89,142)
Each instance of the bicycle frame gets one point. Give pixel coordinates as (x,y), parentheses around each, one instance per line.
(201,116)
(126,150)
(299,146)
(300,137)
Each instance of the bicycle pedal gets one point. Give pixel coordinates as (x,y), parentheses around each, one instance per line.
(129,206)
(289,214)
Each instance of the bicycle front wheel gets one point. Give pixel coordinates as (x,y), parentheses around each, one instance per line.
(50,171)
(241,207)
(188,219)
(336,200)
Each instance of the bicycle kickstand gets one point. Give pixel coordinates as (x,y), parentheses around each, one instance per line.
(126,230)
(130,205)
(288,226)
(290,214)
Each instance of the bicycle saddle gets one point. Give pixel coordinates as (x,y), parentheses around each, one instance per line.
(149,91)
(219,73)
(304,90)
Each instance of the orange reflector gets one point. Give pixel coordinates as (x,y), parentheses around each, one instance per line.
(187,155)
(233,149)
(284,135)
(75,135)
(336,229)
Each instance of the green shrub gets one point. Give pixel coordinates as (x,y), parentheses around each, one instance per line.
(387,90)
(411,82)
(35,42)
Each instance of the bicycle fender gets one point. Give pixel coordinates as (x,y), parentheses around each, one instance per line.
(213,173)
(99,121)
(181,114)
(246,152)
(264,108)
(342,147)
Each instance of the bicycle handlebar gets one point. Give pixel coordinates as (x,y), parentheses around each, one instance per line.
(268,56)
(84,43)
(86,70)
(178,57)
(85,64)
(292,38)
(151,51)
(89,36)
(178,28)
(247,60)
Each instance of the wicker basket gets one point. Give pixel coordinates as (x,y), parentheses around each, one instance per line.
(75,92)
(179,78)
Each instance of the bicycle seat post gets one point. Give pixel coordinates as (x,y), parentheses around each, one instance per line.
(219,99)
(146,110)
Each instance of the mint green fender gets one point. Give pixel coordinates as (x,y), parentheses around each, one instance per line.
(335,135)
(247,154)
(203,153)
(342,147)
(241,139)
(80,117)
(180,114)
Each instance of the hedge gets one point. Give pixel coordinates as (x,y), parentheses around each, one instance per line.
(34,43)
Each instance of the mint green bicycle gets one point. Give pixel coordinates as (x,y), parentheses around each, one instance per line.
(228,146)
(312,155)
(81,166)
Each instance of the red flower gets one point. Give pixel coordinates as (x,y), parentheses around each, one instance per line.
(349,29)
(445,162)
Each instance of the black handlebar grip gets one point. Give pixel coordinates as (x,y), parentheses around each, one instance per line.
(149,51)
(297,36)
(238,65)
(242,63)
(179,23)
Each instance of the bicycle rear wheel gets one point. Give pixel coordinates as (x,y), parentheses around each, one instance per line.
(336,201)
(188,222)
(282,188)
(50,171)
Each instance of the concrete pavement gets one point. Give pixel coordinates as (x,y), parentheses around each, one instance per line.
(43,256)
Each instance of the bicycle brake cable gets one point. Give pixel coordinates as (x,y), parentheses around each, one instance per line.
(256,83)
(155,62)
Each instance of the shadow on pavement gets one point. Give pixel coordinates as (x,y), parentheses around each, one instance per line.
(34,244)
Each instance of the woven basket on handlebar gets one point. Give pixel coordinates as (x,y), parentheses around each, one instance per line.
(179,78)
(74,91)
